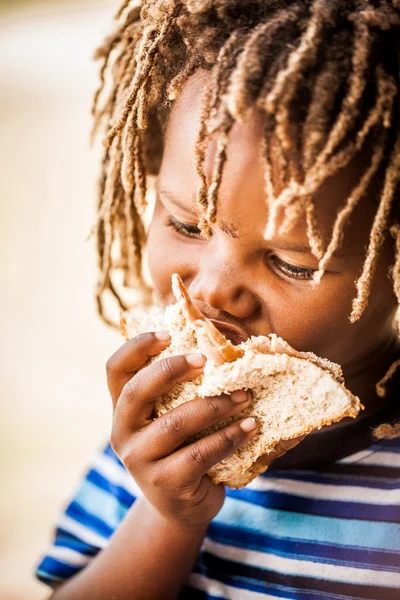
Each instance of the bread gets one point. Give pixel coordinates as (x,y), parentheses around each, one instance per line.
(293,393)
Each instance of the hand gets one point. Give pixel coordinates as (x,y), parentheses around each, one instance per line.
(171,475)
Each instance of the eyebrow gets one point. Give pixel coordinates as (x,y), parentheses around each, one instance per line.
(229,230)
(225,227)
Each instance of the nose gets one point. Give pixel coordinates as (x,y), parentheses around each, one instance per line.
(224,288)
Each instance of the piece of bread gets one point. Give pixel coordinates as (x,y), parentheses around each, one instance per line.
(293,393)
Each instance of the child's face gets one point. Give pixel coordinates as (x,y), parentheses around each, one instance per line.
(239,277)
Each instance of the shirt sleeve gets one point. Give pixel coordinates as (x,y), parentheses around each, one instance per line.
(101,501)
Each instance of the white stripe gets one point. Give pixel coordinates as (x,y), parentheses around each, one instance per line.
(302,568)
(69,556)
(367,495)
(219,589)
(372,458)
(116,474)
(83,533)
(355,458)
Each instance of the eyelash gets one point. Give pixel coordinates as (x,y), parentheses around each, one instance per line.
(191,231)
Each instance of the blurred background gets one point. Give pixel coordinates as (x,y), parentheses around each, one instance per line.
(55,410)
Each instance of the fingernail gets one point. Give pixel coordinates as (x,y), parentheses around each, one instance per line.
(248,424)
(239,396)
(195,360)
(163,336)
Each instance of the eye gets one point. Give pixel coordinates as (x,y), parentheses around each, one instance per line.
(190,231)
(292,270)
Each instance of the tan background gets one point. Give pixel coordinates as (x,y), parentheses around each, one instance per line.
(55,410)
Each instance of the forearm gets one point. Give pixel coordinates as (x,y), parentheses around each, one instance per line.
(148,558)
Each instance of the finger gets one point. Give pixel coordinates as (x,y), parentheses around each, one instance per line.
(195,460)
(135,406)
(131,357)
(164,435)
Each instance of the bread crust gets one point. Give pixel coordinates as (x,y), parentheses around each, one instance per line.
(293,393)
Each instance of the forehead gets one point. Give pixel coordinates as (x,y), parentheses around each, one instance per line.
(243,181)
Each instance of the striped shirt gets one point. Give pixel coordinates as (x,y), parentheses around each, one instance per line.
(331,533)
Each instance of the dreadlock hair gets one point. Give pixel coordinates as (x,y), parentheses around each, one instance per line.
(324,73)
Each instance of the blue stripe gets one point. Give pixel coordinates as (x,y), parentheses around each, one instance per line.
(317,506)
(99,504)
(64,539)
(108,451)
(232,572)
(122,494)
(298,526)
(391,445)
(334,479)
(250,583)
(78,514)
(52,569)
(316,552)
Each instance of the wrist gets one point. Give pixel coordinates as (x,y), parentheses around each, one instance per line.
(180,527)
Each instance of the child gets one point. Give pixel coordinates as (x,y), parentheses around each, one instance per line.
(285,114)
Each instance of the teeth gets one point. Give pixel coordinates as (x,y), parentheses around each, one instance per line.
(218,349)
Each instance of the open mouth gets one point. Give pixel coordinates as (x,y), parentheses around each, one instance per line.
(231,334)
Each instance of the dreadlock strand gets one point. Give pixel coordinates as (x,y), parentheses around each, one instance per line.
(220,160)
(380,112)
(313,232)
(101,308)
(146,55)
(122,9)
(294,211)
(111,182)
(387,432)
(104,52)
(377,233)
(129,180)
(143,68)
(347,210)
(200,157)
(395,231)
(141,177)
(180,79)
(266,154)
(321,14)
(221,77)
(291,195)
(350,107)
(246,81)
(326,86)
(122,73)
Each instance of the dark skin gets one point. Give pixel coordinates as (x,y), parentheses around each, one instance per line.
(239,278)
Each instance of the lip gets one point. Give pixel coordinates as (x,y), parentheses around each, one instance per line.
(235,334)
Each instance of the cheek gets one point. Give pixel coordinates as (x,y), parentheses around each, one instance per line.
(316,320)
(166,256)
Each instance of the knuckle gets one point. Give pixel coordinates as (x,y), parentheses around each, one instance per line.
(156,478)
(214,405)
(227,438)
(127,456)
(167,367)
(170,422)
(197,455)
(116,443)
(172,367)
(129,388)
(137,342)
